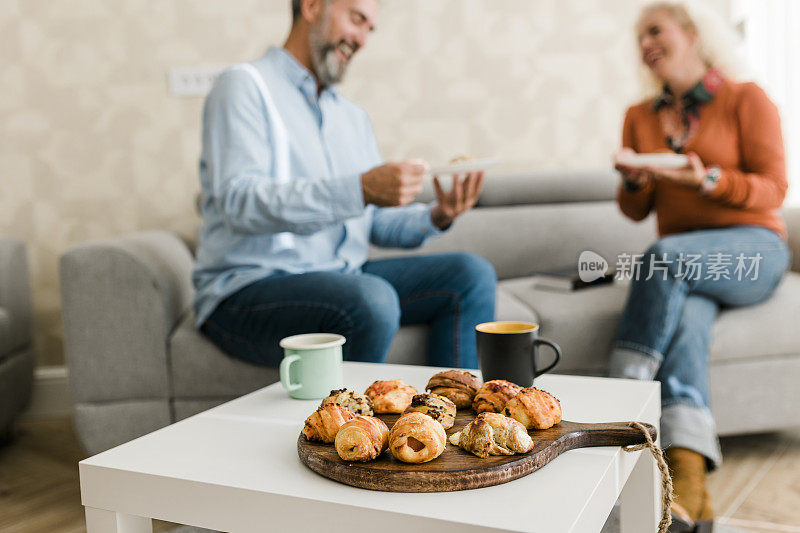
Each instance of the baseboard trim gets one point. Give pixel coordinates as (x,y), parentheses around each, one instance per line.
(51,398)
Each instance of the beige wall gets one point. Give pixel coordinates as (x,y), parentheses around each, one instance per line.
(92,145)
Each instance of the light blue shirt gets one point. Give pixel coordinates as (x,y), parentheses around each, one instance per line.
(244,206)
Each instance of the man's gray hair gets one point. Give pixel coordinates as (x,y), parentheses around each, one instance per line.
(297,5)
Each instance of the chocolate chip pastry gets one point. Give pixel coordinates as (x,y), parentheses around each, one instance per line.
(437,407)
(358,404)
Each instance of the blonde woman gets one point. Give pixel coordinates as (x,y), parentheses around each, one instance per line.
(722,239)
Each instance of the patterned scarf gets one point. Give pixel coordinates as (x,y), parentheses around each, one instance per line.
(679,118)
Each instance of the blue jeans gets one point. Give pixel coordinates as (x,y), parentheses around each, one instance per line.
(451,293)
(665,333)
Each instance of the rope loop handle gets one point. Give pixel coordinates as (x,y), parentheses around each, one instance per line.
(667,496)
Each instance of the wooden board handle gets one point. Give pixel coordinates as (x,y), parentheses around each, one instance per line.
(608,434)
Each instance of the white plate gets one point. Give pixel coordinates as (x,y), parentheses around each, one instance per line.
(654,160)
(464,167)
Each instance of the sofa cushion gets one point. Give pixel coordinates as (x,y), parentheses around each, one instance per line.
(584,323)
(103,425)
(541,187)
(201,370)
(6,342)
(410,344)
(523,239)
(767,329)
(549,187)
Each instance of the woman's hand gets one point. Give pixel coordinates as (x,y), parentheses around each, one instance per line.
(691,175)
(638,177)
(461,197)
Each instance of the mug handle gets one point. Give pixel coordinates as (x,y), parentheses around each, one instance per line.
(556,350)
(284,371)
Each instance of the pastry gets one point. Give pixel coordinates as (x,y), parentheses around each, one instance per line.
(417,438)
(493,434)
(493,395)
(458,385)
(358,404)
(465,158)
(362,439)
(437,407)
(390,396)
(324,423)
(534,409)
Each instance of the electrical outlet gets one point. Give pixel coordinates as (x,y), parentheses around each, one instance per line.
(192,81)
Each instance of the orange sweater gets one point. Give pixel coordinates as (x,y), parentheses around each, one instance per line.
(740,132)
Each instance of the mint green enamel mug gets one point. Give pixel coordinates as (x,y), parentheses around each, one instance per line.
(312,365)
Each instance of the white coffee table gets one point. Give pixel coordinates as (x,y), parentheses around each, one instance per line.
(235,468)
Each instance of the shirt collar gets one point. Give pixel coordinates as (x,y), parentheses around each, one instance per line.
(298,75)
(700,94)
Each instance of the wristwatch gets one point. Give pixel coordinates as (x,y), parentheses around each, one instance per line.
(710,180)
(630,186)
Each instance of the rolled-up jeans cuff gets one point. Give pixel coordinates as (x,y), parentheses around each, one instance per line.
(691,427)
(631,361)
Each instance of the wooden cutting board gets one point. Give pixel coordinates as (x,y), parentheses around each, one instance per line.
(457,469)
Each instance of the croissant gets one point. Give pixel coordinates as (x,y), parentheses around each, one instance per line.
(417,438)
(493,434)
(362,439)
(358,404)
(390,396)
(458,385)
(324,423)
(493,395)
(437,407)
(534,409)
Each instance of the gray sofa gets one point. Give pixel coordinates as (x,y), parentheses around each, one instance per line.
(16,352)
(136,363)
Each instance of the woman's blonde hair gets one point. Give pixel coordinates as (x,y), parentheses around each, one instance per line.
(717,43)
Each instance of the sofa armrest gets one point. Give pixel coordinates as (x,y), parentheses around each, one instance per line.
(15,291)
(121,299)
(792,217)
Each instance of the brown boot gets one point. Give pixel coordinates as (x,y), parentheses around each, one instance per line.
(688,470)
(707,512)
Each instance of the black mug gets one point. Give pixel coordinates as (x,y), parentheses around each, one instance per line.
(507,350)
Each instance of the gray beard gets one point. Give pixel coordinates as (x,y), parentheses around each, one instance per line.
(329,70)
(323,56)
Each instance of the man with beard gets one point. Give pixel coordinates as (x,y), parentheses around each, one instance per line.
(294,190)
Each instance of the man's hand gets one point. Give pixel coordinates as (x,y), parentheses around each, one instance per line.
(393,184)
(462,196)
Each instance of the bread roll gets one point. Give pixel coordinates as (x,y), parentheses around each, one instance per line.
(458,385)
(324,423)
(392,396)
(417,438)
(362,439)
(534,409)
(493,395)
(493,434)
